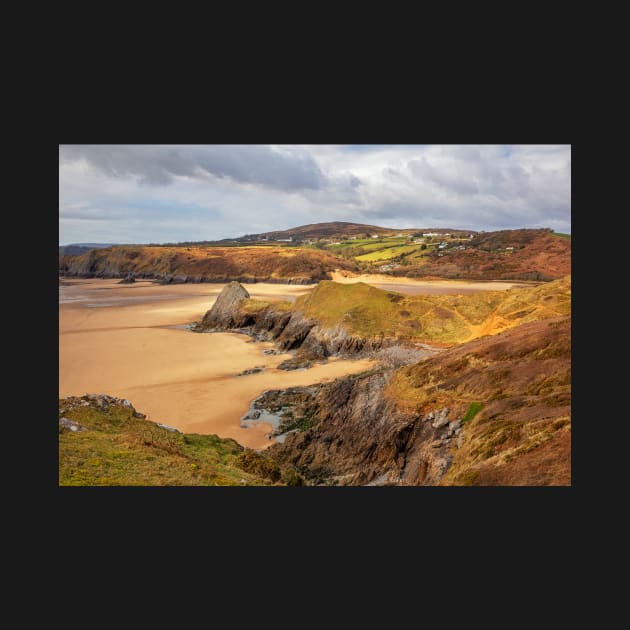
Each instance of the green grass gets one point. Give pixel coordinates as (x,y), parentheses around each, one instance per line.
(121,450)
(444,319)
(387,253)
(358,249)
(473,410)
(561,234)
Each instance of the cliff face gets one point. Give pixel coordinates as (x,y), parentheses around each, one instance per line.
(357,436)
(168,264)
(494,411)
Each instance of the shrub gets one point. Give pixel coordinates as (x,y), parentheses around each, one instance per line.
(473,410)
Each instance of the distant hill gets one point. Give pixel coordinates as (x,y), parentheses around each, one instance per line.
(333,229)
(527,254)
(308,253)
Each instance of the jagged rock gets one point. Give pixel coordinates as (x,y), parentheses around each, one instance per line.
(101,402)
(355,434)
(128,279)
(298,362)
(253,370)
(224,312)
(440,418)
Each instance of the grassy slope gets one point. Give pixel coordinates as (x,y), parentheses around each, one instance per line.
(513,391)
(444,319)
(121,449)
(535,255)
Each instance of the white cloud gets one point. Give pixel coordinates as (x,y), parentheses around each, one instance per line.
(172,193)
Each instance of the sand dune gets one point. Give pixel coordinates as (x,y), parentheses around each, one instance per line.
(412,286)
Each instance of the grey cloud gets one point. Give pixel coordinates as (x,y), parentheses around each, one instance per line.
(282,169)
(480,187)
(461,183)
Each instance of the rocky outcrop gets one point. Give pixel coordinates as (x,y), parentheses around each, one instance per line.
(128,279)
(225,312)
(290,330)
(100,402)
(66,424)
(349,432)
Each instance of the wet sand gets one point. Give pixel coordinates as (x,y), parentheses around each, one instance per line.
(119,340)
(412,286)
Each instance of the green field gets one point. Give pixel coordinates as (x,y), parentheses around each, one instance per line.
(387,253)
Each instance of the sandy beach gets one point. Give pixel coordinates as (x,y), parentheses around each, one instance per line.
(130,341)
(122,340)
(412,286)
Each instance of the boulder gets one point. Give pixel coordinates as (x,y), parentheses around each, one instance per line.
(70,425)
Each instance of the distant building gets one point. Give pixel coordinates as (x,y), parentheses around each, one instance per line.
(374,235)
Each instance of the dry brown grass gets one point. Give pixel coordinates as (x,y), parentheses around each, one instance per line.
(522,377)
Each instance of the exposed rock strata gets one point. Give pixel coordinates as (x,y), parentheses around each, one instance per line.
(348,433)
(290,330)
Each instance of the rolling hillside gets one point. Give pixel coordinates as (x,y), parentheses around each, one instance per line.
(437,319)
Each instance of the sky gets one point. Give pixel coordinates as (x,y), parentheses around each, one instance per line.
(174,193)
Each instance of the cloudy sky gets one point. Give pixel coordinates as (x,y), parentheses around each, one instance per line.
(170,193)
